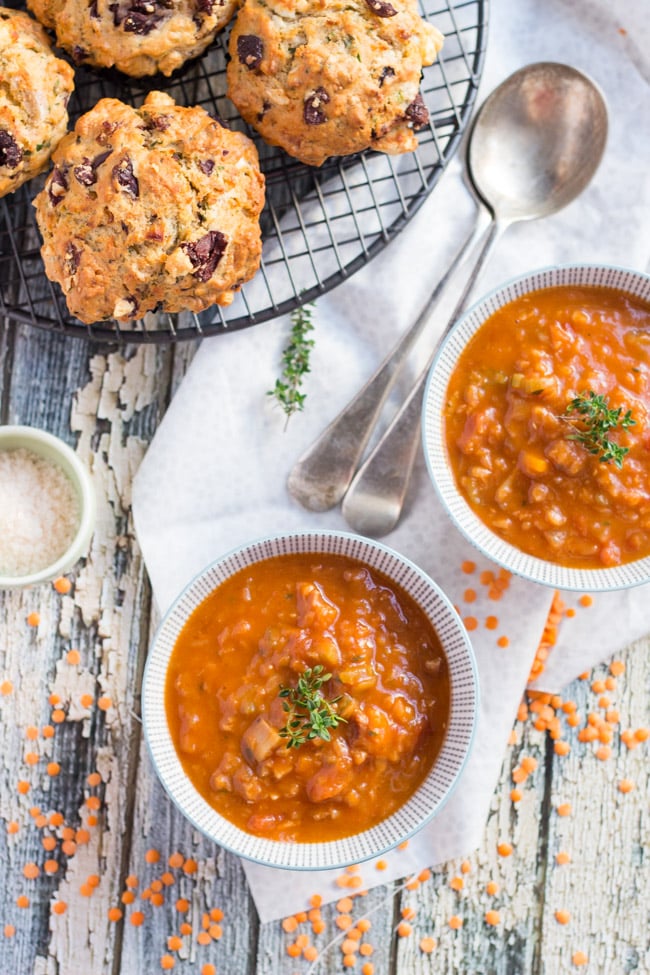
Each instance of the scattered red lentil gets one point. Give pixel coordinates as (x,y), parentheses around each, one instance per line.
(455,922)
(564,809)
(31,871)
(73,657)
(9,930)
(626,785)
(137,918)
(58,716)
(381,865)
(562,857)
(22,901)
(208,969)
(492,888)
(167,962)
(586,600)
(468,567)
(12,827)
(562,917)
(115,914)
(456,883)
(503,641)
(504,849)
(493,918)
(404,929)
(104,703)
(6,687)
(427,945)
(33,619)
(579,958)
(59,907)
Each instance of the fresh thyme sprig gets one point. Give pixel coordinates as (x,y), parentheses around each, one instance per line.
(295,363)
(309,714)
(597,420)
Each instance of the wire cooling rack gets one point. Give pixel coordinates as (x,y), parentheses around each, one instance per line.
(318,225)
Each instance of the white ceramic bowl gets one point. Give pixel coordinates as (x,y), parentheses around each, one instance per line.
(54,450)
(492,545)
(425,802)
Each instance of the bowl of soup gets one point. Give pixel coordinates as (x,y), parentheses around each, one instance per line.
(536,426)
(309,700)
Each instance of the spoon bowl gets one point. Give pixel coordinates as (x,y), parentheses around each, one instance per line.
(537,141)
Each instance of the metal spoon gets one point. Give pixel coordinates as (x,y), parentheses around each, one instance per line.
(534,146)
(541,133)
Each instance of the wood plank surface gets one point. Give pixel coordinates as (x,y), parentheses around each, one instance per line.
(108,403)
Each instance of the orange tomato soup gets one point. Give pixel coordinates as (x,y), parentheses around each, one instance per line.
(256,634)
(510,432)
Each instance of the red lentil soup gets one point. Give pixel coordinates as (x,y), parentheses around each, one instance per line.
(511,434)
(256,634)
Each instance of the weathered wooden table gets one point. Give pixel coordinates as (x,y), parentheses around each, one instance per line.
(98,870)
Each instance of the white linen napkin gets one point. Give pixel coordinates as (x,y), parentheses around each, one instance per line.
(215,474)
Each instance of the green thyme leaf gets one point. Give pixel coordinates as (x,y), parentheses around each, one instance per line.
(595,421)
(295,363)
(310,715)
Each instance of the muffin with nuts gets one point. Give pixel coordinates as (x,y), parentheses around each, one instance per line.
(35,87)
(139,37)
(150,208)
(330,79)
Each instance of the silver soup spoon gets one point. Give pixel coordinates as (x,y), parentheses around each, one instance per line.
(535,144)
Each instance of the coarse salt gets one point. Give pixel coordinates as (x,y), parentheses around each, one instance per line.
(39,512)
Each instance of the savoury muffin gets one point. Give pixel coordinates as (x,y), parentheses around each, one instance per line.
(139,37)
(331,77)
(156,207)
(34,90)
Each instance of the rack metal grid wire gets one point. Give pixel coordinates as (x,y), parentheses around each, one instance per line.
(318,225)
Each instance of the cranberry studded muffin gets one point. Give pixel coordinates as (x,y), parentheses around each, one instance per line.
(150,208)
(331,77)
(139,37)
(34,90)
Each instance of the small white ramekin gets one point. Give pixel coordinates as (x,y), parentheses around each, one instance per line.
(54,450)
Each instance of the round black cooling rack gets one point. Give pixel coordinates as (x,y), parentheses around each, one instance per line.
(318,225)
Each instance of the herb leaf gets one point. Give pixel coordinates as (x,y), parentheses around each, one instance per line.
(309,714)
(295,363)
(596,420)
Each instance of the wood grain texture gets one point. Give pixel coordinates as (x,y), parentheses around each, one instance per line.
(107,404)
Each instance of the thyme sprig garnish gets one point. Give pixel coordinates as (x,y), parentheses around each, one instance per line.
(596,421)
(309,714)
(295,363)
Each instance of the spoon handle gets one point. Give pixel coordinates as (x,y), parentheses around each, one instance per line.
(321,476)
(373,503)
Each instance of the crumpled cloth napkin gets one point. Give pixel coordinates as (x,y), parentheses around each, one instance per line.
(215,474)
